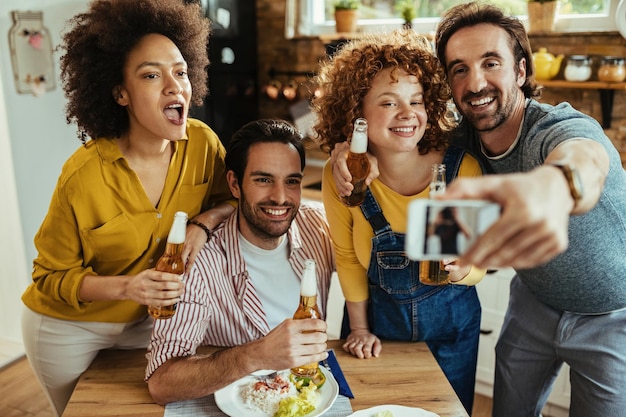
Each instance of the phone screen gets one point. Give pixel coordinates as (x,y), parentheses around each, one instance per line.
(439,229)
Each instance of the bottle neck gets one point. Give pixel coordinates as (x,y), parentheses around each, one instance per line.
(308,301)
(438,180)
(359,154)
(178,231)
(174,249)
(358,141)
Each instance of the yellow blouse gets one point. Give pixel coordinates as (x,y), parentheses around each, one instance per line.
(352,233)
(101,222)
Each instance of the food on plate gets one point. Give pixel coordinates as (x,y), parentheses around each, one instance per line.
(304,381)
(300,405)
(267,394)
(384,413)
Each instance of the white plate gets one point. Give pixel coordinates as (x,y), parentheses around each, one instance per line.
(396,410)
(229,400)
(620,17)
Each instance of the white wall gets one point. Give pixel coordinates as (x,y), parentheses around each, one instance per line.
(34,142)
(12,257)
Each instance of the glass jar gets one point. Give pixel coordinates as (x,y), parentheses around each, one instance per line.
(612,69)
(31,53)
(578,68)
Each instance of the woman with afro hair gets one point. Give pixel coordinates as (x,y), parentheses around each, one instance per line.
(395,82)
(131,70)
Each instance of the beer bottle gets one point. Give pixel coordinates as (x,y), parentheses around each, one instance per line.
(172,260)
(433,272)
(358,164)
(438,180)
(304,375)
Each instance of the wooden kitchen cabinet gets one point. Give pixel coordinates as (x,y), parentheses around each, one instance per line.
(493,292)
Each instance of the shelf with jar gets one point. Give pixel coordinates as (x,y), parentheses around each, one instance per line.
(610,76)
(605,89)
(591,85)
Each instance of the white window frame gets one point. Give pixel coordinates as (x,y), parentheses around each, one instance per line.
(301,15)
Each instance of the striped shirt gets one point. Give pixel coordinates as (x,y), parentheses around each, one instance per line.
(220,306)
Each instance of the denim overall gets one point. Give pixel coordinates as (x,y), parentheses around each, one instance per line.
(446,317)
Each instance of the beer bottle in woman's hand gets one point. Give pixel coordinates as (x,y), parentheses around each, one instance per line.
(172,261)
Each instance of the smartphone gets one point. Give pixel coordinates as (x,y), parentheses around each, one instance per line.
(440,229)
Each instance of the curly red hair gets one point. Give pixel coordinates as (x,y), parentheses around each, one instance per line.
(347,76)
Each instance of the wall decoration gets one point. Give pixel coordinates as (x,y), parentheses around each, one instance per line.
(31,54)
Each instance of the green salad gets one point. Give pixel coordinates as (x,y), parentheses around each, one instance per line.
(298,405)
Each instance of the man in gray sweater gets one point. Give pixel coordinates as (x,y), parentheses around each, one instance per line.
(563,223)
(562,189)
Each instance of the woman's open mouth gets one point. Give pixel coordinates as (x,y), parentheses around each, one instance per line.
(174,113)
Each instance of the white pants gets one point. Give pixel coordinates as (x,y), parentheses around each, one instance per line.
(59,351)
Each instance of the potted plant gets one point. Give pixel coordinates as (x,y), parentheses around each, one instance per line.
(346,15)
(542,15)
(408,12)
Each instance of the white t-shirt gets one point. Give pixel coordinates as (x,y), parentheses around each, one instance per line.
(276,283)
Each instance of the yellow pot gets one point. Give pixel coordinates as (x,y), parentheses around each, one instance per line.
(546,64)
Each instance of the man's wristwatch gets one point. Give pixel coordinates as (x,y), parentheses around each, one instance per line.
(573,180)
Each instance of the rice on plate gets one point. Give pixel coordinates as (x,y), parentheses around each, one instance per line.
(265,395)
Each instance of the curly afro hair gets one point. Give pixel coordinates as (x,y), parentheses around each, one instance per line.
(96,47)
(347,77)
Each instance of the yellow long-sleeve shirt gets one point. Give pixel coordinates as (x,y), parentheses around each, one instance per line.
(352,233)
(101,222)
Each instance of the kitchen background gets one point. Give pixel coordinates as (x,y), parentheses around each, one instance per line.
(248,62)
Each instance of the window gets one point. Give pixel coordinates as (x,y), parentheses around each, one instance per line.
(315,17)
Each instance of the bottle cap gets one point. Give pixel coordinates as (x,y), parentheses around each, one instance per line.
(179,228)
(358,143)
(308,284)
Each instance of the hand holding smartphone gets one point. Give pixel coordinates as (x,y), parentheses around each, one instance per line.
(439,229)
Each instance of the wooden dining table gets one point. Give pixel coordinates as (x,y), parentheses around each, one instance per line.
(404,374)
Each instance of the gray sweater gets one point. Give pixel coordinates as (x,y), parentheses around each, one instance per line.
(590,276)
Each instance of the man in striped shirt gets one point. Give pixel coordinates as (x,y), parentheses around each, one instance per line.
(244,286)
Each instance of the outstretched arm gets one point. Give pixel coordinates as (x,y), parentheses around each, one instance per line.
(536,206)
(197,236)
